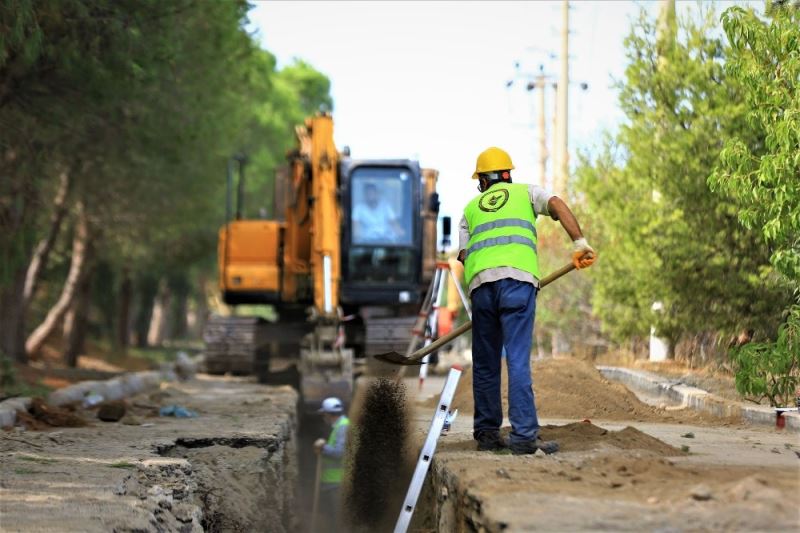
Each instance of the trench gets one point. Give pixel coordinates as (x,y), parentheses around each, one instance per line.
(236,483)
(264,482)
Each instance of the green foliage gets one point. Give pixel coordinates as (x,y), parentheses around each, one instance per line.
(764,177)
(771,370)
(765,62)
(121,464)
(663,235)
(140,103)
(11,386)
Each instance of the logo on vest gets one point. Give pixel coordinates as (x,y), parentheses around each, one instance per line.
(491,201)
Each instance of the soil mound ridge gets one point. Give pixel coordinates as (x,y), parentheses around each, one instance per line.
(585,436)
(572,388)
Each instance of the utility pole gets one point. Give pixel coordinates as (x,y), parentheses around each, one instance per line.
(540,84)
(562,117)
(556,142)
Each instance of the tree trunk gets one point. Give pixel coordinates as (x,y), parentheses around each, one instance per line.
(41,253)
(159,320)
(12,318)
(147,289)
(179,309)
(77,270)
(201,308)
(124,314)
(79,314)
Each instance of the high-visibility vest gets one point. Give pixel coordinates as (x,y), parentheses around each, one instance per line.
(332,471)
(502,231)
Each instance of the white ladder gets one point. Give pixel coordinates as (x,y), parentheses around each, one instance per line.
(425,456)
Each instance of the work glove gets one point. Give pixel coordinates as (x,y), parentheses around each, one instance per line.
(583,255)
(318,445)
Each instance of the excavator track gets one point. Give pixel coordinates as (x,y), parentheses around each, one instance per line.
(234,343)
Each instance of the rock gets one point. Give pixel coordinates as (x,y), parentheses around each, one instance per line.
(700,493)
(130,420)
(689,435)
(652,500)
(185,368)
(753,488)
(501,472)
(111,411)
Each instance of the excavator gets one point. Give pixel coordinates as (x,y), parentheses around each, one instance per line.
(344,262)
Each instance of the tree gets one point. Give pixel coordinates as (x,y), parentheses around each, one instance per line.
(130,110)
(765,178)
(664,235)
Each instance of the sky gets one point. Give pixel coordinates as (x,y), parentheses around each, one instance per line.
(427,80)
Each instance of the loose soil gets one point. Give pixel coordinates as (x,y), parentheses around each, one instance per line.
(233,468)
(41,415)
(377,462)
(580,436)
(606,480)
(572,388)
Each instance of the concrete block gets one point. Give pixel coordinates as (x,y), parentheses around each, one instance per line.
(9,408)
(697,399)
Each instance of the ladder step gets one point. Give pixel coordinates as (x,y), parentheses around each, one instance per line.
(428,449)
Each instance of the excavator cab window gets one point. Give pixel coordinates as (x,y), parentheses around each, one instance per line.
(381,214)
(382,247)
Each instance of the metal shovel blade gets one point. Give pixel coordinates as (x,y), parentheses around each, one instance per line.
(398,359)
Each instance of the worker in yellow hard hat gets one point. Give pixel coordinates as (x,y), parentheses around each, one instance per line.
(497,243)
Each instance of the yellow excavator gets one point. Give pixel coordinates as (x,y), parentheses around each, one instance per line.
(345,263)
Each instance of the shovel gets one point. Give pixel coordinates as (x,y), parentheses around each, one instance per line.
(315,508)
(416,358)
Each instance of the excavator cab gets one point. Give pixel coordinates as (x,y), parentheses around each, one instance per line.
(382,232)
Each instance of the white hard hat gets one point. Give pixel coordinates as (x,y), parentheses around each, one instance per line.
(331,405)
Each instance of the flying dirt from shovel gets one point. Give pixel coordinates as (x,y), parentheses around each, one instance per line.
(377,460)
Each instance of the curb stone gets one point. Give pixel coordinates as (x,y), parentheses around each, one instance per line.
(117,388)
(697,399)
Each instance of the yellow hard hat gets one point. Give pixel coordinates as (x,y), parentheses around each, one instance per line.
(492,159)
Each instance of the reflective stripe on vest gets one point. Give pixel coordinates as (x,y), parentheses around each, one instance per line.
(494,241)
(504,223)
(332,471)
(502,231)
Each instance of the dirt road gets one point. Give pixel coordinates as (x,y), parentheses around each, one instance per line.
(679,473)
(233,468)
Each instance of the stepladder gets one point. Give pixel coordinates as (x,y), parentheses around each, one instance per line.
(428,449)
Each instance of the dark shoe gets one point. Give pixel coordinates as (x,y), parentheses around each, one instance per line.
(490,441)
(530,446)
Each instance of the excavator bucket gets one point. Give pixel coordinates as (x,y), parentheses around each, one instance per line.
(398,359)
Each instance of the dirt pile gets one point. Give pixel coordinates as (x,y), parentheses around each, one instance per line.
(587,436)
(377,457)
(583,436)
(571,388)
(41,415)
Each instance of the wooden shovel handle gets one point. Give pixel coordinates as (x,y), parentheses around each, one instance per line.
(466,326)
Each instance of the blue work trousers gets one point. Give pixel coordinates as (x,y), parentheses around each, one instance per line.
(502,315)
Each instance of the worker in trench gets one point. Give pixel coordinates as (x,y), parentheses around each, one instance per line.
(331,452)
(497,243)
